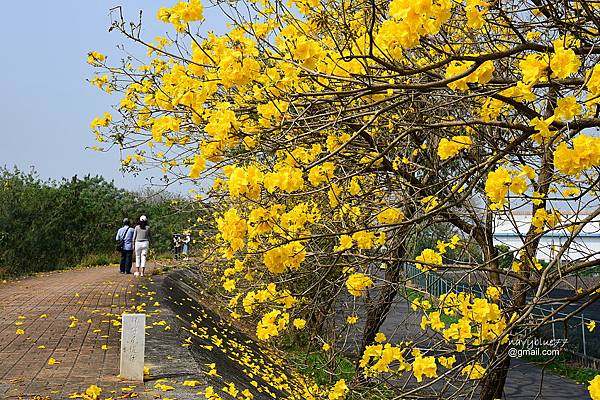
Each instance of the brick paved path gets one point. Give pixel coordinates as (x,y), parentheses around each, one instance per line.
(83,309)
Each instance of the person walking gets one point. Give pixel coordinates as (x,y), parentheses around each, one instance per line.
(125,246)
(141,240)
(186,245)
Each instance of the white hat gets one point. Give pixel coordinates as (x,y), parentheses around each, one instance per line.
(143,218)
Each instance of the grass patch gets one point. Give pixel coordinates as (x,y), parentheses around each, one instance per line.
(93,260)
(564,366)
(322,368)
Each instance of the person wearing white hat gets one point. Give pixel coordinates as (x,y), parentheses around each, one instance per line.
(141,238)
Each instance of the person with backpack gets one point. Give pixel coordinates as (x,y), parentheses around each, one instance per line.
(141,240)
(125,246)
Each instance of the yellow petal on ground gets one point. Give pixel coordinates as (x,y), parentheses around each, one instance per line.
(164,388)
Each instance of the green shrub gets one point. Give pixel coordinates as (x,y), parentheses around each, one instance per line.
(47,225)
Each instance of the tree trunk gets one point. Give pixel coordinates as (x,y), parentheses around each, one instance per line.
(378,309)
(492,386)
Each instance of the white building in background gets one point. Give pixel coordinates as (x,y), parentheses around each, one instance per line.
(511,231)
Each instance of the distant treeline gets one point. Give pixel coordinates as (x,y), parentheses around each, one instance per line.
(46,225)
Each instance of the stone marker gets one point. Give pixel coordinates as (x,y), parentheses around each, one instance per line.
(132,346)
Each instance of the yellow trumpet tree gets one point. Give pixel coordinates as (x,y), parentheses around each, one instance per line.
(335,133)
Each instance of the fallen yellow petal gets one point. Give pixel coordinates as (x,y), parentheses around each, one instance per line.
(52,361)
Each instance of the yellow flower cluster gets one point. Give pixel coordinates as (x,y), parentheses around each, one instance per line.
(411,20)
(95,58)
(245,181)
(564,62)
(542,219)
(430,202)
(500,181)
(338,391)
(101,121)
(321,173)
(365,239)
(594,388)
(584,154)
(424,366)
(164,124)
(567,108)
(482,75)
(390,215)
(181,14)
(473,371)
(450,148)
(542,126)
(282,258)
(378,357)
(357,284)
(346,242)
(441,245)
(261,220)
(593,86)
(253,299)
(493,292)
(197,167)
(286,178)
(475,11)
(480,320)
(433,320)
(429,256)
(308,51)
(233,228)
(533,67)
(271,324)
(294,221)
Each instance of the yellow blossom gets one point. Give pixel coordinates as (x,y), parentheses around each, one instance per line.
(567,108)
(428,256)
(473,371)
(424,366)
(299,323)
(594,388)
(564,62)
(338,391)
(357,283)
(450,148)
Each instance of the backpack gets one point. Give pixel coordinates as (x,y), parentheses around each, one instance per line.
(121,242)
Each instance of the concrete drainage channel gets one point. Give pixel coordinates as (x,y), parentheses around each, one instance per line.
(210,350)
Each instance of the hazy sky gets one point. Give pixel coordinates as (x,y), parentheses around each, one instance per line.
(46,104)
